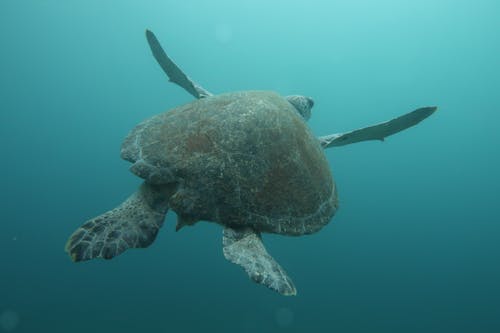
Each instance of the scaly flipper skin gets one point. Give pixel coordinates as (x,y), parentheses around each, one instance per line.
(244,247)
(378,131)
(174,73)
(133,224)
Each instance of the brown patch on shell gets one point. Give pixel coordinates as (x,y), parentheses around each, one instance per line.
(199,143)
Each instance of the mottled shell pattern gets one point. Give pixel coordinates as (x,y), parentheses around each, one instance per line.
(237,159)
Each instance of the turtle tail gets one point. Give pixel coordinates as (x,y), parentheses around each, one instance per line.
(133,224)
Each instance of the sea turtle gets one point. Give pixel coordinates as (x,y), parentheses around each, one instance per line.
(245,160)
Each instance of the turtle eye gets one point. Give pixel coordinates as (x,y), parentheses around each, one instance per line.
(310,102)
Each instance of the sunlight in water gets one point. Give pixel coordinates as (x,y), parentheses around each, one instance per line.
(223,33)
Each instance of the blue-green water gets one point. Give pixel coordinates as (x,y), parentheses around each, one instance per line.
(415,245)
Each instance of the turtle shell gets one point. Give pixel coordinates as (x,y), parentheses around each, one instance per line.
(238,159)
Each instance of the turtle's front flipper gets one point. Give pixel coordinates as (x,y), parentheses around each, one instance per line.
(378,131)
(133,224)
(244,247)
(174,73)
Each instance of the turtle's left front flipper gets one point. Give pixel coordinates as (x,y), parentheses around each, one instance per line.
(378,131)
(244,247)
(174,73)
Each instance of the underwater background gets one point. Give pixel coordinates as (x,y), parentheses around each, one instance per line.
(415,246)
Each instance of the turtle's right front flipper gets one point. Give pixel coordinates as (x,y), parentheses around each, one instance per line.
(244,247)
(133,224)
(378,131)
(174,73)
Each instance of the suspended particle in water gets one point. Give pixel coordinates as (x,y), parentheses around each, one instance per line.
(9,320)
(223,33)
(284,317)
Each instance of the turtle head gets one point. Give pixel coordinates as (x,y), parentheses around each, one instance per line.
(302,104)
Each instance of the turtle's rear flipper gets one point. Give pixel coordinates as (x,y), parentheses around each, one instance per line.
(133,224)
(174,73)
(244,247)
